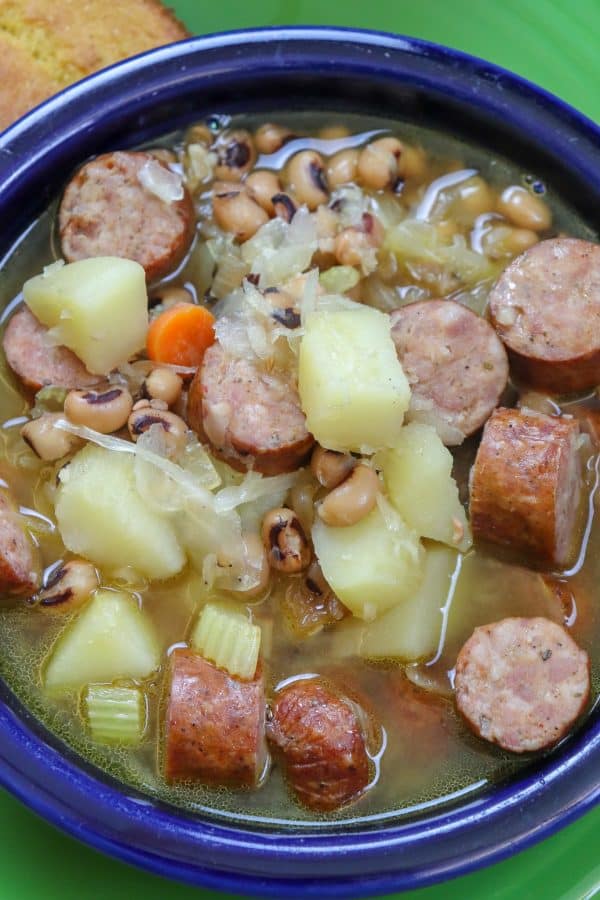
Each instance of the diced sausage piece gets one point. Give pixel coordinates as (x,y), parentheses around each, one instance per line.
(36,360)
(526,484)
(320,741)
(546,308)
(252,419)
(108,209)
(522,683)
(19,569)
(215,724)
(455,363)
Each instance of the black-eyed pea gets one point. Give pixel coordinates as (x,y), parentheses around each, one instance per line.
(284,539)
(199,134)
(270,137)
(149,403)
(284,206)
(523,209)
(236,155)
(163,384)
(473,198)
(174,428)
(263,185)
(236,211)
(104,409)
(331,467)
(46,440)
(378,163)
(170,295)
(342,168)
(307,179)
(412,162)
(504,241)
(354,246)
(68,587)
(351,500)
(334,133)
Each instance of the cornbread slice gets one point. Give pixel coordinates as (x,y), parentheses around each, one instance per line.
(46,45)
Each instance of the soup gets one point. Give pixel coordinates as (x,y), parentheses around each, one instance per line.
(262,514)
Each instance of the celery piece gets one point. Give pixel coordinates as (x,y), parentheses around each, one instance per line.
(115,715)
(339,279)
(227,638)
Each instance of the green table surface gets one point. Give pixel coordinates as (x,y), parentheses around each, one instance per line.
(555,43)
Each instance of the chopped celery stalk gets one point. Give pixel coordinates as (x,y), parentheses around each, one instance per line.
(115,715)
(227,638)
(339,279)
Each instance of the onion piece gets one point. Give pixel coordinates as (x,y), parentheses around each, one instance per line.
(253,487)
(161,182)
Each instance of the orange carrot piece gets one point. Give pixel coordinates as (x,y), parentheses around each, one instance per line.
(181,335)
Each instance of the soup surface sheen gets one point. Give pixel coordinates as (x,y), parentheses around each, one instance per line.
(422,753)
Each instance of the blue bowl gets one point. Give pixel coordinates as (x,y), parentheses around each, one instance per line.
(300,68)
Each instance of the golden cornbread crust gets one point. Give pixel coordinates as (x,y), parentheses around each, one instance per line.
(47,44)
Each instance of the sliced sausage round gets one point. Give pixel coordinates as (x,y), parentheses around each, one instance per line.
(546,308)
(19,566)
(456,365)
(525,484)
(319,738)
(36,360)
(215,724)
(107,209)
(522,683)
(252,418)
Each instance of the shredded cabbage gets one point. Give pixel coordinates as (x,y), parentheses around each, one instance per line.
(279,250)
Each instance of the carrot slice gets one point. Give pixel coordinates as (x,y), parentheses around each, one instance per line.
(181,335)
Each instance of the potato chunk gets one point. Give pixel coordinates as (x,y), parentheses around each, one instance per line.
(102,517)
(96,307)
(373,565)
(352,387)
(418,480)
(109,639)
(411,630)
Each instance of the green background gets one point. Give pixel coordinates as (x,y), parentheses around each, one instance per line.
(555,43)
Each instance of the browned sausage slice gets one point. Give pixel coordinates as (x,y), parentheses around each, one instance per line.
(107,211)
(546,308)
(522,683)
(38,362)
(215,724)
(252,419)
(456,365)
(526,484)
(19,568)
(319,738)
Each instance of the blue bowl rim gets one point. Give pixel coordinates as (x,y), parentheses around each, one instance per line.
(70,795)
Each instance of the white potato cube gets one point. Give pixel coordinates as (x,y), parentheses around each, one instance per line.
(418,480)
(411,630)
(372,565)
(110,638)
(97,307)
(352,387)
(102,516)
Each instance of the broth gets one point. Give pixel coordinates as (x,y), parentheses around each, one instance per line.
(429,758)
